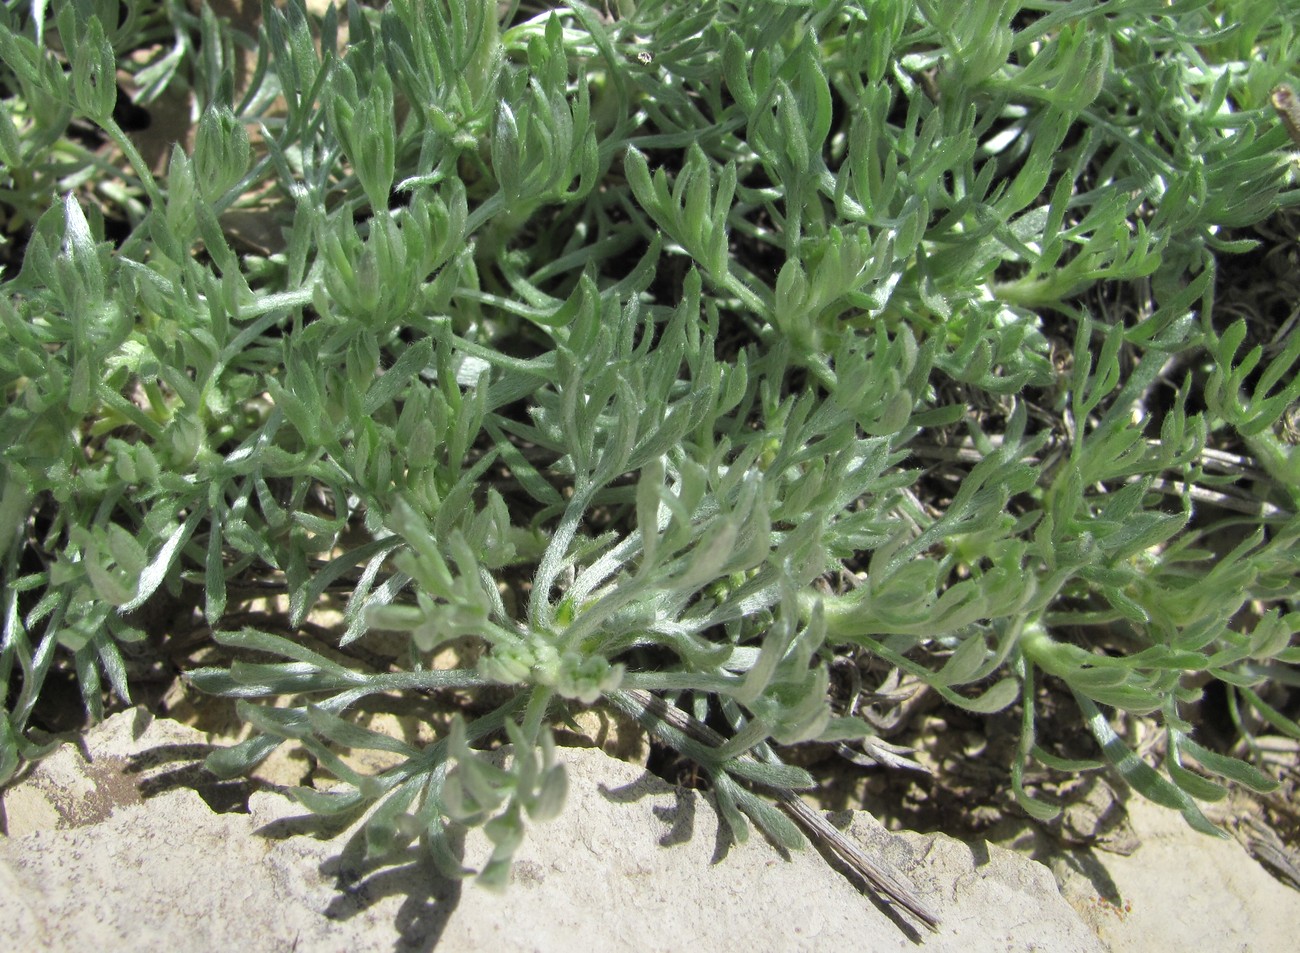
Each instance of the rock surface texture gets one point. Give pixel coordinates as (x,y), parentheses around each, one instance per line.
(111,848)
(1179,891)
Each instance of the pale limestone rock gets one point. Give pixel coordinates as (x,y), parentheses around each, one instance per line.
(1179,890)
(632,864)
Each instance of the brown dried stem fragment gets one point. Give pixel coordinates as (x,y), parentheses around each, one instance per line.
(1288,110)
(888,883)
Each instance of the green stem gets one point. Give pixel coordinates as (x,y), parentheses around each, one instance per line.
(123,141)
(458,678)
(1280,462)
(539,701)
(755,732)
(1041,649)
(680,682)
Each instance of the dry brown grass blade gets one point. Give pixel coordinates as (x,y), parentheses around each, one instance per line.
(888,884)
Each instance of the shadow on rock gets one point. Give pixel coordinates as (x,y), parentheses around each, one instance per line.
(429,898)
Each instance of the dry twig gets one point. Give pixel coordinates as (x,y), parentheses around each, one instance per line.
(887,883)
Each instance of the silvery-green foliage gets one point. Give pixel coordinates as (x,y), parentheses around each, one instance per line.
(604,345)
